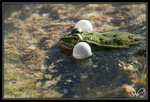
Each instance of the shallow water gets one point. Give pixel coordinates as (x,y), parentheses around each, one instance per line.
(35,67)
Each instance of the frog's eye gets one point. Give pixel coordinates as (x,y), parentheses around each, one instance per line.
(77,30)
(75,38)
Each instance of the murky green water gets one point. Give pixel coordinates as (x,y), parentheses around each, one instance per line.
(35,67)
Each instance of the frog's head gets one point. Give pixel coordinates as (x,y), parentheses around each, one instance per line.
(70,40)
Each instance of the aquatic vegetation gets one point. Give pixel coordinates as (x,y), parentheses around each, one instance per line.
(24,60)
(128,89)
(126,67)
(139,71)
(137,76)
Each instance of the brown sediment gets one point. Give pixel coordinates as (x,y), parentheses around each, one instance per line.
(62,24)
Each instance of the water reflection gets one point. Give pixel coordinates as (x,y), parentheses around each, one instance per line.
(84,63)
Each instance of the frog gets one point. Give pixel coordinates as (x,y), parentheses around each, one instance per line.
(101,42)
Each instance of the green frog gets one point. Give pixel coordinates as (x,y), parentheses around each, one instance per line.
(101,42)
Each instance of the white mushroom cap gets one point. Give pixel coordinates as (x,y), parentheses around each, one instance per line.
(82,50)
(84,25)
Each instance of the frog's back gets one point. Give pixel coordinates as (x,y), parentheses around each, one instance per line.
(114,39)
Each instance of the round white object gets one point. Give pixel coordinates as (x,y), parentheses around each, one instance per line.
(82,50)
(84,25)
